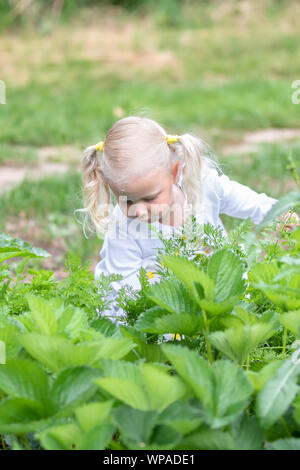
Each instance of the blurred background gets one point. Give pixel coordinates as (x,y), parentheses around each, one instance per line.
(70,68)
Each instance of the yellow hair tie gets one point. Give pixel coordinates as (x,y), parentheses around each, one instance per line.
(99,146)
(172,138)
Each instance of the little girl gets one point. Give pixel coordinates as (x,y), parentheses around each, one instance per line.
(157,180)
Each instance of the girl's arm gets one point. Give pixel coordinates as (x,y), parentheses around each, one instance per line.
(238,200)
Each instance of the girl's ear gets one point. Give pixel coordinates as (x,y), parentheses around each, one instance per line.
(176,167)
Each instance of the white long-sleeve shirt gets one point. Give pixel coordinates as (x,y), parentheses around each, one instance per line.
(127,247)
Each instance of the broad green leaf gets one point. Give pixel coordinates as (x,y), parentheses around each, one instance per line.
(162,388)
(73,386)
(181,416)
(9,335)
(150,351)
(264,272)
(172,296)
(291,321)
(135,425)
(207,439)
(277,394)
(163,438)
(185,323)
(22,378)
(43,314)
(105,326)
(213,309)
(72,321)
(285,297)
(226,270)
(258,379)
(143,386)
(20,415)
(223,389)
(57,353)
(93,414)
(237,343)
(189,274)
(290,443)
(11,247)
(97,438)
(60,437)
(147,319)
(247,433)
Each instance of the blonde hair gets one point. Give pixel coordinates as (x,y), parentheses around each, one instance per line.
(135,145)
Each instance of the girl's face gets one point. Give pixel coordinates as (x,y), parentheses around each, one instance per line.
(148,197)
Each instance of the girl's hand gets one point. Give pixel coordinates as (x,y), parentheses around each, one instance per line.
(290,220)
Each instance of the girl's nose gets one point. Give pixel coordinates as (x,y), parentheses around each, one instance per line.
(138,210)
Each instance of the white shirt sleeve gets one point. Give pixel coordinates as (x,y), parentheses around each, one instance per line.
(238,200)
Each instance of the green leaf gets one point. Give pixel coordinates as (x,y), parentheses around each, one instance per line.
(20,415)
(143,386)
(93,414)
(9,336)
(214,309)
(97,438)
(238,342)
(72,321)
(223,389)
(207,439)
(164,437)
(247,433)
(172,296)
(226,270)
(152,322)
(189,274)
(11,247)
(291,321)
(264,272)
(43,314)
(135,425)
(291,443)
(258,379)
(61,437)
(57,353)
(72,387)
(181,416)
(277,394)
(22,378)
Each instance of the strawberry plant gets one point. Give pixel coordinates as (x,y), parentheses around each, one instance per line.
(227,379)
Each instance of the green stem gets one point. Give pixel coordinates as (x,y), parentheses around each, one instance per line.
(208,345)
(284,338)
(284,425)
(3,442)
(25,441)
(248,362)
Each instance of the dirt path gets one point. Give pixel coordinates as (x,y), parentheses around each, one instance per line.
(251,140)
(68,157)
(65,158)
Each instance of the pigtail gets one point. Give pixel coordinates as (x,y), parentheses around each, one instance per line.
(197,156)
(96,193)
